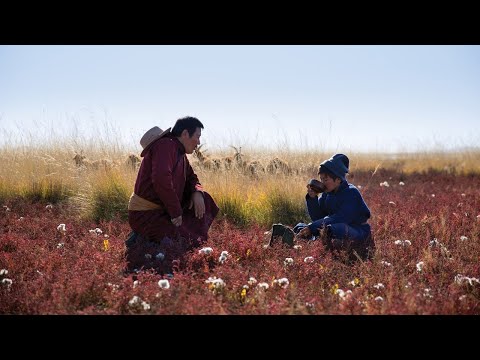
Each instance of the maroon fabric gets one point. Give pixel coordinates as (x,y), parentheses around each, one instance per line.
(166,178)
(156,224)
(172,242)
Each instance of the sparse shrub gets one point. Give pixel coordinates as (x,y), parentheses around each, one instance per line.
(286,210)
(109,200)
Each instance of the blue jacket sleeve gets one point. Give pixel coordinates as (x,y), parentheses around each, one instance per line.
(314,209)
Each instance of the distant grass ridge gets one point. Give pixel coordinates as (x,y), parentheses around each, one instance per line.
(48,173)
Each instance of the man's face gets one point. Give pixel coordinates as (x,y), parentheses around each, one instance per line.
(191,143)
(330,184)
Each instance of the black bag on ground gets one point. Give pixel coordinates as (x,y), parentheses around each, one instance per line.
(284,232)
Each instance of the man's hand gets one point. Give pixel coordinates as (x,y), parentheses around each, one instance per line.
(305,232)
(177,221)
(199,204)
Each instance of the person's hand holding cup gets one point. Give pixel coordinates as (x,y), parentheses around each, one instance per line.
(315,187)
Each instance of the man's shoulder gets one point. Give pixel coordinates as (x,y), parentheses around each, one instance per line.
(165,143)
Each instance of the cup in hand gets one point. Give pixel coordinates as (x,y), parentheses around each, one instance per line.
(316,185)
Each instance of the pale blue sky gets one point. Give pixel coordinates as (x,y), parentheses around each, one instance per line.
(361,98)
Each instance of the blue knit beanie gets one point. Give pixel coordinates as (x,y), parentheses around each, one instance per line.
(337,164)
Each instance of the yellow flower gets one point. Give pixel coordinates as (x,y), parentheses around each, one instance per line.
(106,245)
(334,289)
(243,295)
(249,252)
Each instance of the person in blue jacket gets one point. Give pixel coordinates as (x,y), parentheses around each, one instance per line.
(339,215)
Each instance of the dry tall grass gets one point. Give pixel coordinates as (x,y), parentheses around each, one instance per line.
(46,171)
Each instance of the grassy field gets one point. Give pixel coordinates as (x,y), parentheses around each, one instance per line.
(431,199)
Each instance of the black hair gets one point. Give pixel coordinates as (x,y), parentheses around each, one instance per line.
(189,123)
(324,170)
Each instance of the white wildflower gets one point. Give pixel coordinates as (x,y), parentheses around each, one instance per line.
(385,183)
(409,285)
(403,242)
(343,294)
(21,218)
(60,245)
(205,250)
(385,263)
(49,207)
(114,287)
(8,282)
(134,301)
(145,305)
(164,284)
(420,266)
(401,183)
(463,195)
(379,286)
(392,203)
(246,287)
(263,285)
(462,297)
(378,298)
(61,228)
(215,282)
(462,279)
(355,282)
(297,247)
(136,283)
(3,272)
(6,208)
(137,301)
(288,261)
(160,256)
(359,186)
(463,238)
(97,231)
(252,281)
(427,293)
(308,259)
(433,195)
(223,257)
(283,282)
(106,236)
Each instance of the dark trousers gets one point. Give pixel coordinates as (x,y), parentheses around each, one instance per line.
(342,237)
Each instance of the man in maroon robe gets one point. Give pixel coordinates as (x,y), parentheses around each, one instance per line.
(169,212)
